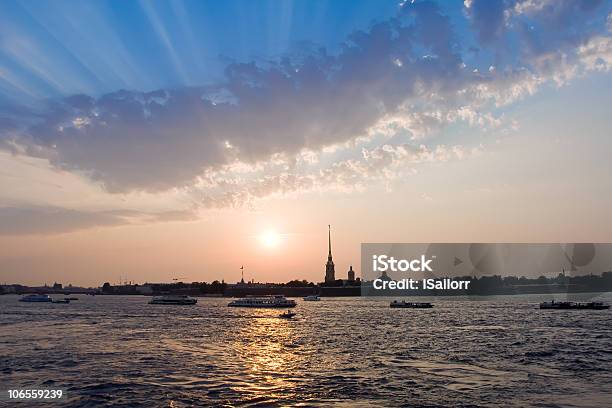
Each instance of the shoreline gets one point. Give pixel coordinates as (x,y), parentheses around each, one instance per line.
(382,295)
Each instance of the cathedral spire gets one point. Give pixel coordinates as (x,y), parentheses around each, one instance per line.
(329,241)
(330,273)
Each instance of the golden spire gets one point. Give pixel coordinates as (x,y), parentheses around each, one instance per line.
(329,240)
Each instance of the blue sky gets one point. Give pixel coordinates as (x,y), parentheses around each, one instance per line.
(100,47)
(118,116)
(104,46)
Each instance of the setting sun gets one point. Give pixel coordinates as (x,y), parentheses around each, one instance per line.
(270,239)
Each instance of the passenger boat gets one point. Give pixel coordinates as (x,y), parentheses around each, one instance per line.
(312,298)
(61,300)
(574,305)
(173,300)
(287,315)
(36,298)
(276,301)
(410,305)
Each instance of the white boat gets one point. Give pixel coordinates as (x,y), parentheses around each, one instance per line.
(173,300)
(312,298)
(574,305)
(410,305)
(36,298)
(263,302)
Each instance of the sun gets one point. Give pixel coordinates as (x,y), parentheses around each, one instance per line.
(270,239)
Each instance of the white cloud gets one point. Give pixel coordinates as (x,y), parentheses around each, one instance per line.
(381,164)
(596,54)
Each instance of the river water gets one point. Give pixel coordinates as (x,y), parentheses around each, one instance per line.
(489,351)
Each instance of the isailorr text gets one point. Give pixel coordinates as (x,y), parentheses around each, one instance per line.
(415,284)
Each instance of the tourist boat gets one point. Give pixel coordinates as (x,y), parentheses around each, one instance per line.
(287,315)
(411,305)
(173,300)
(263,302)
(312,298)
(66,300)
(36,298)
(574,305)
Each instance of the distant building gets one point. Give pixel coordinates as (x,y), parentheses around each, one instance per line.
(144,289)
(351,274)
(57,286)
(242,275)
(330,272)
(8,289)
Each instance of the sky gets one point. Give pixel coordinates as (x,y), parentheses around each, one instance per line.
(150,141)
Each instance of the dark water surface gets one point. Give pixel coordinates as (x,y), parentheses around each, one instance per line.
(496,351)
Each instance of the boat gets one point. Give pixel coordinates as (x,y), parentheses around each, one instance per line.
(410,305)
(36,298)
(173,300)
(312,298)
(71,298)
(66,300)
(287,315)
(574,305)
(276,301)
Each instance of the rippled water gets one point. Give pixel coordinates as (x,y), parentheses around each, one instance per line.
(117,351)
